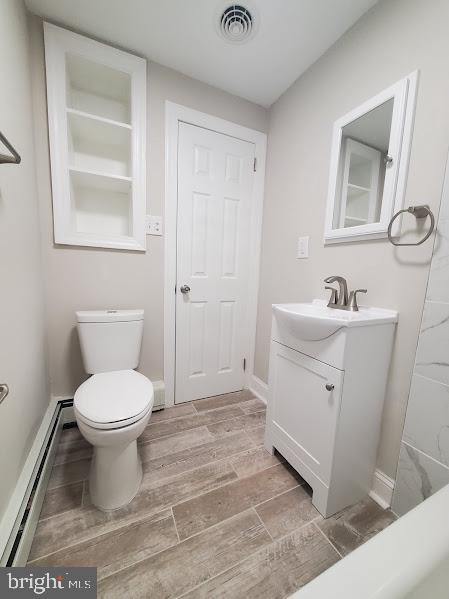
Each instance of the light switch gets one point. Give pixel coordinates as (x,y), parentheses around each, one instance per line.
(303,247)
(153,225)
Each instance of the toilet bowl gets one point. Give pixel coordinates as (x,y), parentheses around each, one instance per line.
(113,407)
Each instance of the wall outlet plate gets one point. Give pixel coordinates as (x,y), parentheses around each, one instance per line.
(303,247)
(153,225)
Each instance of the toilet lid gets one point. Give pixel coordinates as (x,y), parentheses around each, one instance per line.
(113,397)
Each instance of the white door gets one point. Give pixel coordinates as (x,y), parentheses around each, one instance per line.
(215,180)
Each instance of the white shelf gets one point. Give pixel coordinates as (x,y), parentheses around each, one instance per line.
(358,187)
(98,145)
(356,219)
(101,204)
(97,128)
(100,180)
(94,117)
(98,88)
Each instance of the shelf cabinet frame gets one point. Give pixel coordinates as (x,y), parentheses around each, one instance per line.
(58,44)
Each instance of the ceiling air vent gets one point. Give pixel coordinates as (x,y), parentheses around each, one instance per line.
(236,24)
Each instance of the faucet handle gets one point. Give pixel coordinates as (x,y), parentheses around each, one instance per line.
(334,296)
(352,302)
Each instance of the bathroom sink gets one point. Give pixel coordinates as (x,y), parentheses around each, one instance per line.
(315,321)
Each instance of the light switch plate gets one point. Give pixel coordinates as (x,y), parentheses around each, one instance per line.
(303,247)
(153,225)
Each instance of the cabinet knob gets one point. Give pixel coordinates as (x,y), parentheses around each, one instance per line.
(330,387)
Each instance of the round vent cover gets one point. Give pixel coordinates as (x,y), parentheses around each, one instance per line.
(236,24)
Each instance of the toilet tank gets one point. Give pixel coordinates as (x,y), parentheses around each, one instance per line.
(110,339)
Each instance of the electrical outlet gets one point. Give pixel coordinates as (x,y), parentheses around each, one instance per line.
(303,247)
(153,225)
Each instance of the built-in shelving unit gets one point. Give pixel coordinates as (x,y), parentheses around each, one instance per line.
(97,125)
(360,191)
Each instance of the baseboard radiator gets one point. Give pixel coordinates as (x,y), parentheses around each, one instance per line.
(20,521)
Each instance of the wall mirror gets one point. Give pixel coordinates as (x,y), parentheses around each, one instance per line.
(369,162)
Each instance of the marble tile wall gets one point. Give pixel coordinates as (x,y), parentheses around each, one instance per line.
(424,456)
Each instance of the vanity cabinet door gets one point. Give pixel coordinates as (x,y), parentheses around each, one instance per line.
(306,397)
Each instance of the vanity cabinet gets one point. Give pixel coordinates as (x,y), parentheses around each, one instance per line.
(325,405)
(96,98)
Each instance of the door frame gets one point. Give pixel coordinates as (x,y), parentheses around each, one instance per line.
(175,114)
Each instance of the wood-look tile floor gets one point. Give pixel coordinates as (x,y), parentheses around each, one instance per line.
(216,516)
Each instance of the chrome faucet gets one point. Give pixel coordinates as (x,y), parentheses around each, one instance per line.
(340,299)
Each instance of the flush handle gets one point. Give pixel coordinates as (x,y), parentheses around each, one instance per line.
(185,289)
(4,390)
(330,387)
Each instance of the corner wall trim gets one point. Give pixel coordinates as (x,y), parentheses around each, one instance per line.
(259,388)
(382,489)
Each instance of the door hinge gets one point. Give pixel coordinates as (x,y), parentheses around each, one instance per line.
(255,165)
(244,364)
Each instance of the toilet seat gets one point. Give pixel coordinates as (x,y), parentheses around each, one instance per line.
(111,400)
(112,425)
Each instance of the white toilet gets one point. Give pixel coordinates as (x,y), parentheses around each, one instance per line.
(113,406)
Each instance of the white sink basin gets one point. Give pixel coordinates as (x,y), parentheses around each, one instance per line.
(315,321)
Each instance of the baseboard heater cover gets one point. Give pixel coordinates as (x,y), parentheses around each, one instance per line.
(19,543)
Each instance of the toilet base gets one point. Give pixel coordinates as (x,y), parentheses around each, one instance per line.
(116,467)
(115,476)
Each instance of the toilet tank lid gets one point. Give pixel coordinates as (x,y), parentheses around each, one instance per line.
(109,315)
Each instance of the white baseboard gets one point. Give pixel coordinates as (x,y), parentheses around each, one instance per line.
(382,489)
(159,395)
(259,388)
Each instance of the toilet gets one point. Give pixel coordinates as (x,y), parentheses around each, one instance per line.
(113,407)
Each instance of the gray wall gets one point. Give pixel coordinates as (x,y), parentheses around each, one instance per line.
(22,347)
(393,39)
(424,456)
(90,278)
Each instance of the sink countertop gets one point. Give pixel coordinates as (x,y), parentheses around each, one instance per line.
(318,310)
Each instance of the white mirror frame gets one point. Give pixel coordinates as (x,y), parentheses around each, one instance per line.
(404,95)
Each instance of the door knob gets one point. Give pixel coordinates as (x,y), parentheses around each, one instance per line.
(330,387)
(185,289)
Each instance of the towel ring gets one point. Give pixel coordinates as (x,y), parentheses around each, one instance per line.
(15,156)
(418,212)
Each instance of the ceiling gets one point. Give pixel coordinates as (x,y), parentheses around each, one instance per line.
(181,34)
